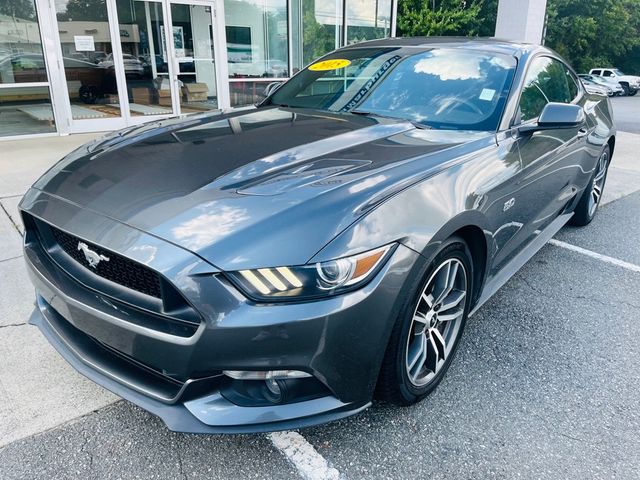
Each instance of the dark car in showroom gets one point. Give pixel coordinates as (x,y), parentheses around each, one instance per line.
(281,265)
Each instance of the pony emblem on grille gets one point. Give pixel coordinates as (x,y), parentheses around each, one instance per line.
(94,258)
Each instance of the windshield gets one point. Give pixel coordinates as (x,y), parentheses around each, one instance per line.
(618,72)
(441,88)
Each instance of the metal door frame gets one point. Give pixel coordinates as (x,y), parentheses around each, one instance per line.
(219,51)
(61,103)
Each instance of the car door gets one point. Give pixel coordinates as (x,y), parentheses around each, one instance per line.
(550,159)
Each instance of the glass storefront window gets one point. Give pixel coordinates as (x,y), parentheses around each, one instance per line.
(88,59)
(263,45)
(144,57)
(257,46)
(368,20)
(316,29)
(193,41)
(23,109)
(21,58)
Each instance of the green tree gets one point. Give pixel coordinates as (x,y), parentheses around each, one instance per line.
(486,19)
(594,33)
(438,17)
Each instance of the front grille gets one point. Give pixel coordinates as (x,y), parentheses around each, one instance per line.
(117,269)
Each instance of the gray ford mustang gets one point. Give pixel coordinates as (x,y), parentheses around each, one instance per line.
(278,266)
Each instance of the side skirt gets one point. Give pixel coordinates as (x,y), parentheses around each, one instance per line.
(511,268)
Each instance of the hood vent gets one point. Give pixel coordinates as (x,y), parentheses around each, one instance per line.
(301,175)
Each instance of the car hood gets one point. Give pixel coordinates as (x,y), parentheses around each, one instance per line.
(251,188)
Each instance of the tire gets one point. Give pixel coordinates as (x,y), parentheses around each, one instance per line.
(88,95)
(404,384)
(587,207)
(626,89)
(632,92)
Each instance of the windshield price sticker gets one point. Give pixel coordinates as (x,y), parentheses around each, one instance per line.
(487,94)
(333,64)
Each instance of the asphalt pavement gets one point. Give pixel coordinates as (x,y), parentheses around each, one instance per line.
(545,385)
(627,113)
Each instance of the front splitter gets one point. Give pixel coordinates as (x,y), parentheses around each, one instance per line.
(221,416)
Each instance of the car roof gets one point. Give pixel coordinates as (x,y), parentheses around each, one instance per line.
(488,44)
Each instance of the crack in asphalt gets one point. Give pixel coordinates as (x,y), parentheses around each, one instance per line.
(13,325)
(88,452)
(181,465)
(15,225)
(552,428)
(12,258)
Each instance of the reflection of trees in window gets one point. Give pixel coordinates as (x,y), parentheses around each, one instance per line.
(18,9)
(276,47)
(318,38)
(555,83)
(546,82)
(84,10)
(532,102)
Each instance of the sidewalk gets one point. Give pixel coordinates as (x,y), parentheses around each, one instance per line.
(38,390)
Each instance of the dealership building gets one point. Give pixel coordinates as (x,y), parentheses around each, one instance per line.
(70,66)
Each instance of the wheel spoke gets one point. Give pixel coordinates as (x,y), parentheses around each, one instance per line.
(420,323)
(452,300)
(447,317)
(595,193)
(433,354)
(428,299)
(417,356)
(449,281)
(440,343)
(420,319)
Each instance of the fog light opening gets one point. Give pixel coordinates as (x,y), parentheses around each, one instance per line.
(271,387)
(275,390)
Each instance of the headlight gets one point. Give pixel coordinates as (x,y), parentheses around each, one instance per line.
(311,281)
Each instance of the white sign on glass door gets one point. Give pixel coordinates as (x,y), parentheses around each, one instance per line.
(84,43)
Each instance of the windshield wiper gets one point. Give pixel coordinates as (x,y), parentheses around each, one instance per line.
(416,124)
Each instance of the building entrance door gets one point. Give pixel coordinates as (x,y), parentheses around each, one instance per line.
(199,75)
(125,62)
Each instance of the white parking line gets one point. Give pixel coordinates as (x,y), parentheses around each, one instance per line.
(597,256)
(310,464)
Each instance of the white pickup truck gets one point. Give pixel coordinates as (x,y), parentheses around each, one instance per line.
(629,83)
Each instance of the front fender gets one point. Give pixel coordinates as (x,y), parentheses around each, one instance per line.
(423,215)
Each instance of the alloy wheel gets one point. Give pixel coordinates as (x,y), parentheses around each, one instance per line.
(436,322)
(598,183)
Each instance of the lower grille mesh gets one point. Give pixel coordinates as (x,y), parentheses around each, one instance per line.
(117,269)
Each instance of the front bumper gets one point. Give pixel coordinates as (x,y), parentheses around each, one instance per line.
(223,416)
(340,341)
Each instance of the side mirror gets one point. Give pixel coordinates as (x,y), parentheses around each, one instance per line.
(272,87)
(556,115)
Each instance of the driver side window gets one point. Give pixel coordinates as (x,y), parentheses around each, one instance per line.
(546,81)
